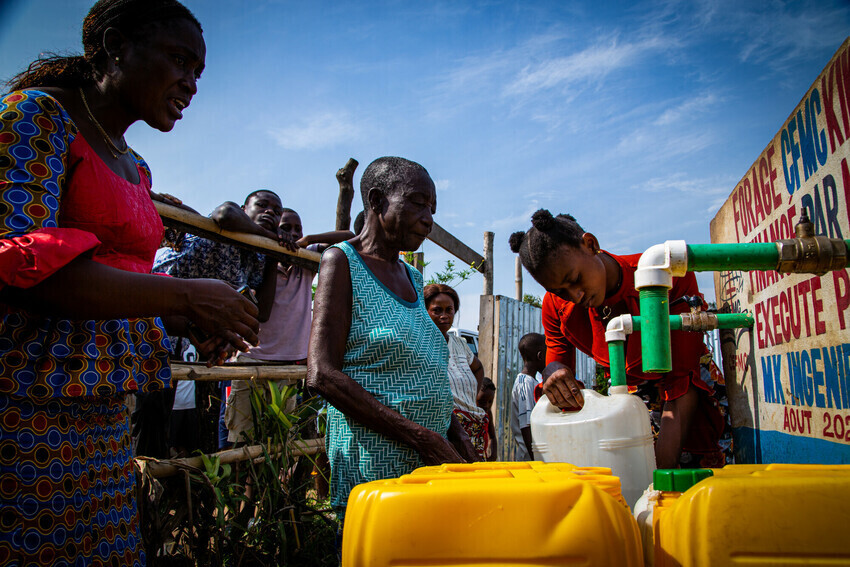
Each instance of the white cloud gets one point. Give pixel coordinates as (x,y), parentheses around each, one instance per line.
(681,182)
(319,131)
(522,219)
(442,184)
(653,142)
(593,63)
(686,110)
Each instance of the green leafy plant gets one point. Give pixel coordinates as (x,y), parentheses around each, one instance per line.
(260,511)
(451,275)
(532,300)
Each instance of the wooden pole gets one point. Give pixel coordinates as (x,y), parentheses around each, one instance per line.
(194,223)
(419,262)
(488,263)
(456,248)
(254,372)
(345,178)
(169,467)
(518,278)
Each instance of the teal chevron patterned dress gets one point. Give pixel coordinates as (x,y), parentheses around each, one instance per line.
(398,355)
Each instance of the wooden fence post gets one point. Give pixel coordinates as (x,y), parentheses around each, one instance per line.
(518,278)
(419,262)
(345,177)
(488,263)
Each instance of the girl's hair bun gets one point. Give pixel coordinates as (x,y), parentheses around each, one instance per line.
(515,241)
(542,220)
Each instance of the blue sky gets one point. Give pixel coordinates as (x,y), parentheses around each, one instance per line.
(636,117)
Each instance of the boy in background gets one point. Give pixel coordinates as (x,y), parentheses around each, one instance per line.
(283,338)
(532,348)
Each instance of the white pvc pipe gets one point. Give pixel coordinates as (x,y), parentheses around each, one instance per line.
(661,263)
(618,328)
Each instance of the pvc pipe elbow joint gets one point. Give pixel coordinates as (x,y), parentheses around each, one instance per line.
(661,263)
(618,328)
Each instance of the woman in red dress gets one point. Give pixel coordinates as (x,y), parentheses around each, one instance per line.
(81,318)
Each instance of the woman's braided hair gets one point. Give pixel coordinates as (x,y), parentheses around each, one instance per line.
(546,234)
(130,17)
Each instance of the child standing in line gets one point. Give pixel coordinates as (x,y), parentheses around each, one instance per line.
(284,337)
(532,348)
(484,400)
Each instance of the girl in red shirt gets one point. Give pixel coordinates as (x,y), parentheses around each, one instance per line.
(586,287)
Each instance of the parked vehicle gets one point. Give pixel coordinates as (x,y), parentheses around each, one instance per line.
(471,337)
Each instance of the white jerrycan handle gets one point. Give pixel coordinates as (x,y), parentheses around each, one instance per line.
(551,408)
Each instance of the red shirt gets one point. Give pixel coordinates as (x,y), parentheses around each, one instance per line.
(568,327)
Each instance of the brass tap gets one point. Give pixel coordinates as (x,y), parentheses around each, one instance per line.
(700,321)
(808,253)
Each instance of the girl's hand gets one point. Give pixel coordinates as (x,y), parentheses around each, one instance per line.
(222,313)
(563,390)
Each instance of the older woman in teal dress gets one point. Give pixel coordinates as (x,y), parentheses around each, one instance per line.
(375,354)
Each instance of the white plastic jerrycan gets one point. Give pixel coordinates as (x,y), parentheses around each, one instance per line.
(609,431)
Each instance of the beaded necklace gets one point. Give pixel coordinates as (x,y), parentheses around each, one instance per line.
(110,145)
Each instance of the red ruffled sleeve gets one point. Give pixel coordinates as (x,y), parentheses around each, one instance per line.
(35,137)
(558,346)
(27,260)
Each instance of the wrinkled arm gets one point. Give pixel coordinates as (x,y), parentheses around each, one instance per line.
(461,441)
(331,325)
(324,239)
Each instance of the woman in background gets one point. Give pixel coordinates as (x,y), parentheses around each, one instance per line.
(466,373)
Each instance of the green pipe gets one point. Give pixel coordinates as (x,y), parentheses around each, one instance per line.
(722,257)
(675,323)
(700,258)
(724,321)
(616,349)
(743,257)
(655,342)
(735,320)
(617,363)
